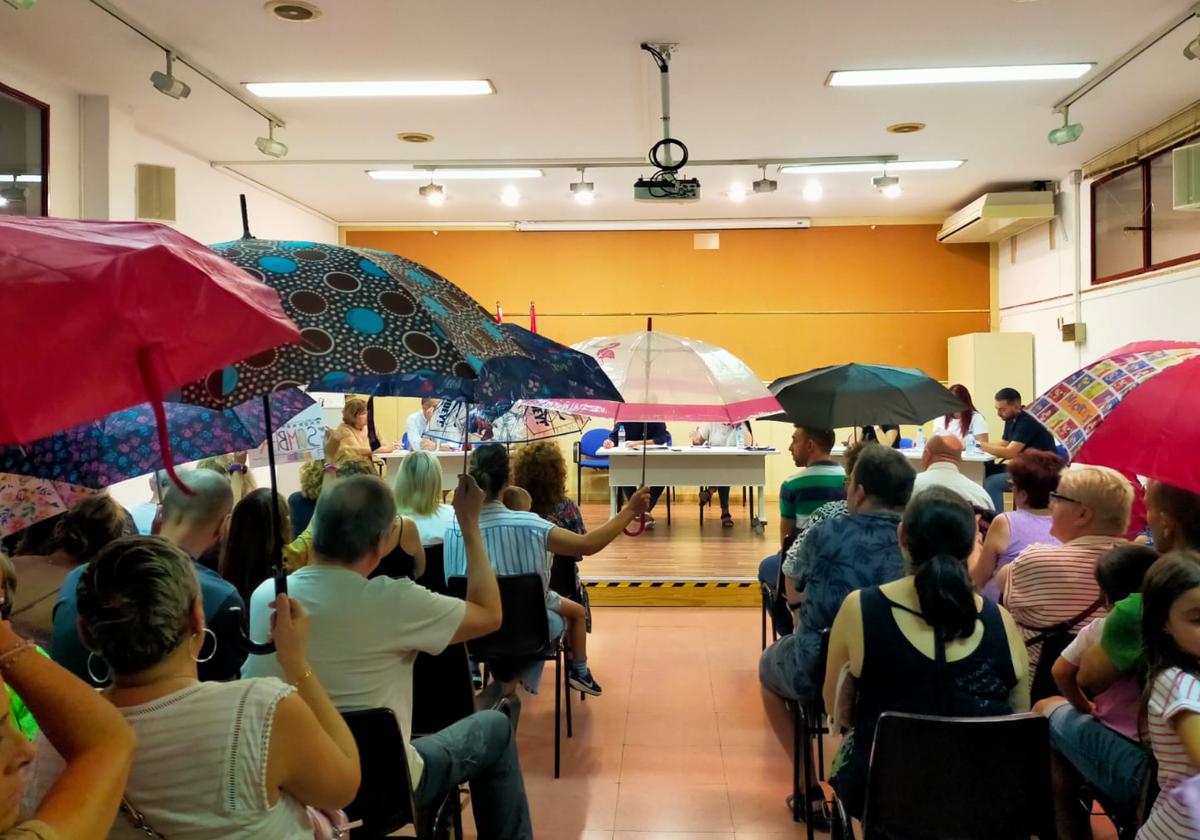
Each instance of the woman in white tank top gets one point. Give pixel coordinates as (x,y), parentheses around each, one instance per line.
(213,760)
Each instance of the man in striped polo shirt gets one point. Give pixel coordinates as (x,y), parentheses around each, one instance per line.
(821,480)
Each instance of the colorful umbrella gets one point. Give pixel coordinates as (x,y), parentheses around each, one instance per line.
(1132,410)
(123,445)
(25,500)
(860,395)
(519,424)
(668,377)
(106,315)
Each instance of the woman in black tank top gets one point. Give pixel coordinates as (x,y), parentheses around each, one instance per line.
(924,644)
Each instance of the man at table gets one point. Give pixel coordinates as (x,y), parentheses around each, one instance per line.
(820,480)
(720,434)
(1021,431)
(418,422)
(942,465)
(638,435)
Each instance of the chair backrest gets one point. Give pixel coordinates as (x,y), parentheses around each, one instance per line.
(384,801)
(434,578)
(563,579)
(965,778)
(524,630)
(592,441)
(442,690)
(404,441)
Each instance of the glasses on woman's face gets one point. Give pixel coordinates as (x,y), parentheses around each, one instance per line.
(1059,497)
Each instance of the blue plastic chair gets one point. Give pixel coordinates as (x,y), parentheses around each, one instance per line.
(585,457)
(907,443)
(404,441)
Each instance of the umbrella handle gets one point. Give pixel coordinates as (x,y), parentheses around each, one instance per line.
(641,526)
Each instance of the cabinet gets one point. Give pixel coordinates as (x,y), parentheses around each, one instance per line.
(987,362)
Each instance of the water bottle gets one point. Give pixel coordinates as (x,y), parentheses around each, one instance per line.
(739,439)
(971,444)
(621,436)
(920,437)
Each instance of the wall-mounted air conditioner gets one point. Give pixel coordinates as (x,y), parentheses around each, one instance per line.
(996,216)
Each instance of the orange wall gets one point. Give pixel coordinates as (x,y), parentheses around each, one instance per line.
(782,300)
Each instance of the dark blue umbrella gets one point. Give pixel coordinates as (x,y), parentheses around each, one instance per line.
(124,444)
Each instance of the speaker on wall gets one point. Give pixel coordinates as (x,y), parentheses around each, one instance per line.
(155,192)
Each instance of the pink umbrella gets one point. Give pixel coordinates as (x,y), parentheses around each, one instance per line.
(25,500)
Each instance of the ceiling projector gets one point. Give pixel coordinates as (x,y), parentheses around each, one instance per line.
(664,186)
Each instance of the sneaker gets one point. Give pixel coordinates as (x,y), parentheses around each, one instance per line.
(726,520)
(587,684)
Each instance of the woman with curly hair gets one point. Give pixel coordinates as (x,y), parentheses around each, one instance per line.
(541,469)
(303,502)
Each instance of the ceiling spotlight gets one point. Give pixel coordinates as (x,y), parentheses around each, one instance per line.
(1191,51)
(435,194)
(295,11)
(1066,133)
(737,193)
(269,146)
(888,185)
(584,191)
(20,5)
(813,191)
(167,83)
(765,184)
(510,196)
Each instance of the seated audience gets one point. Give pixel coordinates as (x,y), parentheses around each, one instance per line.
(366,635)
(820,480)
(923,644)
(213,760)
(248,552)
(90,524)
(1052,587)
(942,462)
(968,422)
(541,470)
(842,554)
(419,497)
(296,554)
(720,434)
(18,711)
(516,498)
(80,800)
(1021,431)
(303,501)
(1171,602)
(195,523)
(1034,475)
(885,435)
(637,436)
(1097,739)
(522,543)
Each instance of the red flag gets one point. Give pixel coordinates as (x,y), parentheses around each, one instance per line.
(499,313)
(532,318)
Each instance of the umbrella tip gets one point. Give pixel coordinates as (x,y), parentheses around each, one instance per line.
(245,217)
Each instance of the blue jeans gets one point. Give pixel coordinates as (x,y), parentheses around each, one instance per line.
(996,485)
(1113,764)
(482,751)
(780,669)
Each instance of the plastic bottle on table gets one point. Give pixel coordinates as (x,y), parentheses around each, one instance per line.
(920,437)
(971,444)
(739,439)
(621,436)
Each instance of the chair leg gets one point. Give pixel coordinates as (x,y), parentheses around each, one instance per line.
(799,799)
(567,691)
(558,686)
(764,625)
(578,485)
(821,752)
(668,495)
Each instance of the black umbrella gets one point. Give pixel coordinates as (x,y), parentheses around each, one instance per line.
(860,395)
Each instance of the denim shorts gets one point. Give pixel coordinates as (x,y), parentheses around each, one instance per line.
(1110,762)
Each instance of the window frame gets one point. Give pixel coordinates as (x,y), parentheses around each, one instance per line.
(1147,266)
(44,109)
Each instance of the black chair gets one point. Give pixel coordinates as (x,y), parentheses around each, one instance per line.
(434,577)
(809,728)
(442,690)
(384,802)
(564,579)
(966,778)
(524,634)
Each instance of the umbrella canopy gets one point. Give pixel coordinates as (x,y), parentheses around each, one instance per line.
(106,315)
(519,424)
(860,395)
(667,377)
(25,500)
(1131,410)
(370,322)
(123,444)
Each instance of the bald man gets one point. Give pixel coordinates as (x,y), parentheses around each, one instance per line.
(941,462)
(194,523)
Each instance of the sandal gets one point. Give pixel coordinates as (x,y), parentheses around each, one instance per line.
(726,520)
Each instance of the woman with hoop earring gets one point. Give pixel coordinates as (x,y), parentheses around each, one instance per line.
(213,759)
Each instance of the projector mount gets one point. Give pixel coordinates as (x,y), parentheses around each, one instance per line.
(664,185)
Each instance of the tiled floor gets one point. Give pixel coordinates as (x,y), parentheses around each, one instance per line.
(677,748)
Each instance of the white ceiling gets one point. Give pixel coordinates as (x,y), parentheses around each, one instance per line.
(747,82)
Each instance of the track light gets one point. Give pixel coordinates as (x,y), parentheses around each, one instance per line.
(765,184)
(167,83)
(1191,51)
(510,196)
(813,191)
(269,146)
(435,194)
(584,191)
(20,5)
(888,185)
(1066,133)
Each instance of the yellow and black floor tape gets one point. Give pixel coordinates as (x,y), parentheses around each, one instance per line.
(673,593)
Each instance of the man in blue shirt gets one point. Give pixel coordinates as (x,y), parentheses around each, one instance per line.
(194,523)
(842,554)
(1021,431)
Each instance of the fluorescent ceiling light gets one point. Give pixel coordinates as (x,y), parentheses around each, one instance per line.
(953,75)
(29,179)
(452,174)
(667,224)
(890,166)
(294,90)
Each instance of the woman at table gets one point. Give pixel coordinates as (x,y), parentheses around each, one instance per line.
(638,435)
(885,435)
(720,434)
(968,421)
(350,439)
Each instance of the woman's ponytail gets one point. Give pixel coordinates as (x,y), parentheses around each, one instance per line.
(939,533)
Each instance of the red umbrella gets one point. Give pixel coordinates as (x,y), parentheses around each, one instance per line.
(1133,410)
(106,315)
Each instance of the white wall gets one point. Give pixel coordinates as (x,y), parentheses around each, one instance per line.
(1036,290)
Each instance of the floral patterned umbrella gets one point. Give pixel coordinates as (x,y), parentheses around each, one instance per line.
(123,445)
(25,500)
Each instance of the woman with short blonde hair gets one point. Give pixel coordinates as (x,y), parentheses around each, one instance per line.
(419,496)
(1103,491)
(350,439)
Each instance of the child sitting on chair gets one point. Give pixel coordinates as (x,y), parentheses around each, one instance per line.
(516,498)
